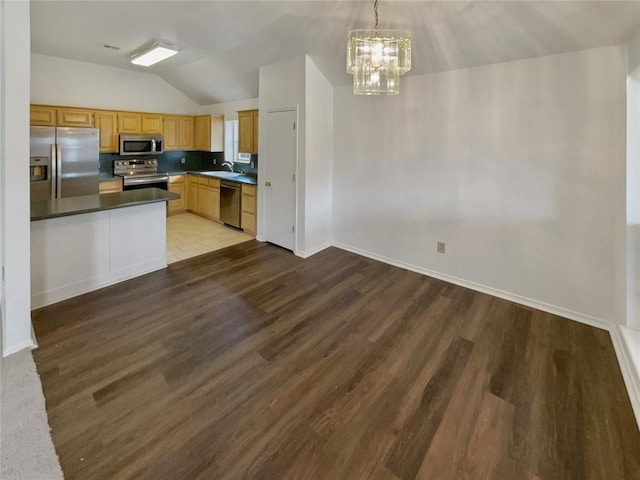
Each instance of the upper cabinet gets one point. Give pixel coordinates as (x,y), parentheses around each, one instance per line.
(248,131)
(171,132)
(45,116)
(209,133)
(178,132)
(151,123)
(107,123)
(129,122)
(187,140)
(42,116)
(74,117)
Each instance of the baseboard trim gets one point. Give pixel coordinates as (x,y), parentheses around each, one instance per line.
(512,297)
(18,346)
(313,251)
(34,340)
(629,373)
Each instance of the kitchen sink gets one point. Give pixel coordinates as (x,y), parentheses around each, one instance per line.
(233,176)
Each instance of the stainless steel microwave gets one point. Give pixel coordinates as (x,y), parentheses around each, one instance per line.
(140,144)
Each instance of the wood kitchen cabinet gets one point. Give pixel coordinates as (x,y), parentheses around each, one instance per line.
(107,123)
(177,184)
(214,199)
(74,117)
(211,208)
(249,210)
(129,122)
(192,193)
(209,133)
(248,131)
(186,133)
(151,124)
(171,132)
(111,185)
(202,199)
(207,191)
(42,116)
(178,132)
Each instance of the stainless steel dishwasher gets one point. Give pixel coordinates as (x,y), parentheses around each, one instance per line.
(230,196)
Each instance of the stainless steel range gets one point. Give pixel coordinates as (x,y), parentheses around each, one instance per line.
(140,174)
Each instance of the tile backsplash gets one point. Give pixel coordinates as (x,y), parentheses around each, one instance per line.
(171,162)
(250,168)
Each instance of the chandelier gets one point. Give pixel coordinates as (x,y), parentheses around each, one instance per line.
(377,58)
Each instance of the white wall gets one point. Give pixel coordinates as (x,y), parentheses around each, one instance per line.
(282,86)
(230,109)
(519,167)
(299,83)
(14,181)
(319,159)
(59,81)
(633,183)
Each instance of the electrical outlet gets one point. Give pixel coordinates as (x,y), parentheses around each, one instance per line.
(215,162)
(440,247)
(182,160)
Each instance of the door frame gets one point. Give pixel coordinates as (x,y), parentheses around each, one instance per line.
(263,162)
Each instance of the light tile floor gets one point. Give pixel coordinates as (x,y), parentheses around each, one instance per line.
(189,235)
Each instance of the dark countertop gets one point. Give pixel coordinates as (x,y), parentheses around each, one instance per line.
(222,175)
(106,176)
(64,207)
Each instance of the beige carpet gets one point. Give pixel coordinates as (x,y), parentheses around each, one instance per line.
(26,448)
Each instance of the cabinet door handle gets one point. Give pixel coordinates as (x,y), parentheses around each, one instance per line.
(267,184)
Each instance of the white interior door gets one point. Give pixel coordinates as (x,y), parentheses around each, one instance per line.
(280,185)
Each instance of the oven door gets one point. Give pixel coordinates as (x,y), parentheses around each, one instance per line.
(132,183)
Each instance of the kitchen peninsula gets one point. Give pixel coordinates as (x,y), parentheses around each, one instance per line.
(80,244)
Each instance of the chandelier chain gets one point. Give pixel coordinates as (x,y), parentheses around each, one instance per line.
(375,10)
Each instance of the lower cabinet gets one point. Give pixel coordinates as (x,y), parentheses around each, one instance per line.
(192,193)
(248,217)
(111,185)
(204,196)
(177,185)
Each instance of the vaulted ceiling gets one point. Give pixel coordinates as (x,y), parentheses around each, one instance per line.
(223,43)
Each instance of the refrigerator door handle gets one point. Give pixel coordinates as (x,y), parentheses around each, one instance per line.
(59,170)
(53,169)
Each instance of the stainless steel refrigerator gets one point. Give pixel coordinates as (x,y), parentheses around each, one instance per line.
(64,162)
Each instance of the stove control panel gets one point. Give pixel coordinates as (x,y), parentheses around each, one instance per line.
(134,166)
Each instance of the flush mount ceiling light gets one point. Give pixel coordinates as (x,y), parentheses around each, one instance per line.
(154,53)
(377,58)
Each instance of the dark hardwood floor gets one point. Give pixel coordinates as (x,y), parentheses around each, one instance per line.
(250,363)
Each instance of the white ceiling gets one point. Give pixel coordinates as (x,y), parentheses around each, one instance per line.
(224,43)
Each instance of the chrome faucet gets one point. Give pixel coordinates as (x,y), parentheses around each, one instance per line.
(227,165)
